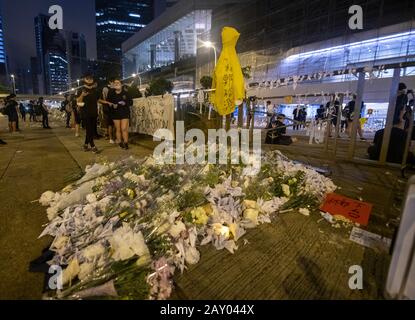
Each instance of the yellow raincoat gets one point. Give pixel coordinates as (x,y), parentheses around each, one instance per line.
(227,77)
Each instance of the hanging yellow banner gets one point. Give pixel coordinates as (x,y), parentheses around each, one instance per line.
(227,77)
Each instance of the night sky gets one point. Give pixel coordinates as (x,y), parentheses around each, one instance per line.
(18,24)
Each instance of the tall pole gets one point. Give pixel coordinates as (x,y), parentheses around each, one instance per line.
(357,110)
(390,115)
(216,55)
(13,84)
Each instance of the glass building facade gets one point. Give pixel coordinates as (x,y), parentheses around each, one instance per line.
(176,42)
(116,21)
(394,48)
(57,72)
(2,51)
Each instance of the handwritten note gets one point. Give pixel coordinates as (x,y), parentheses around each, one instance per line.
(152,113)
(354,210)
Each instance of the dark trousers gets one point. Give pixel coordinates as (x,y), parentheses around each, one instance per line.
(68,119)
(45,120)
(90,126)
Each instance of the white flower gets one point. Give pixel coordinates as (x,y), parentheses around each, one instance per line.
(125,204)
(47,198)
(60,242)
(126,243)
(103,203)
(91,198)
(52,213)
(304,211)
(85,270)
(192,256)
(221,230)
(93,251)
(286,190)
(176,229)
(70,272)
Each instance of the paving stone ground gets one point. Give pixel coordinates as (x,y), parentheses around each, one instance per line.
(295,257)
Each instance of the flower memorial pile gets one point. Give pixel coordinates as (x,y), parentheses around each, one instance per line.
(124,228)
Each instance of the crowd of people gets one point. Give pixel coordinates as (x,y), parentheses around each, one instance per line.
(332,112)
(88,106)
(109,105)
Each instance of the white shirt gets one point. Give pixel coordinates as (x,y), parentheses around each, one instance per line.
(270,108)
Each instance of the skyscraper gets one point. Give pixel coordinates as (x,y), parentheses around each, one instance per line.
(76,54)
(51,55)
(3,69)
(116,22)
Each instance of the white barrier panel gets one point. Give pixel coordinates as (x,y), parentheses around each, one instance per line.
(401,277)
(152,113)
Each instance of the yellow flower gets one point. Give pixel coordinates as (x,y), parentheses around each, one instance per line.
(286,190)
(251,214)
(199,216)
(220,229)
(131,193)
(250,204)
(123,214)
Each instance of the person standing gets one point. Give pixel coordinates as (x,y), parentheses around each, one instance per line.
(12,112)
(31,110)
(270,112)
(120,102)
(76,114)
(107,122)
(67,108)
(45,113)
(297,117)
(401,102)
(88,102)
(303,117)
(350,114)
(22,112)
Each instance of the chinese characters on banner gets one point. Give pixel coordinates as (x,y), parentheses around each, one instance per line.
(354,210)
(152,113)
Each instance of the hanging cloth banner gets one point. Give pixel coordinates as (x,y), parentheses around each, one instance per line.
(152,113)
(227,77)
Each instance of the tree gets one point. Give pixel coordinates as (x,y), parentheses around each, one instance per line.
(246,72)
(4,89)
(159,87)
(206,82)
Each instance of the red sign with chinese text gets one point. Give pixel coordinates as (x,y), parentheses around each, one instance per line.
(354,210)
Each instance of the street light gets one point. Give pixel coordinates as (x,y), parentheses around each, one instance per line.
(209,44)
(78,82)
(14,83)
(139,78)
